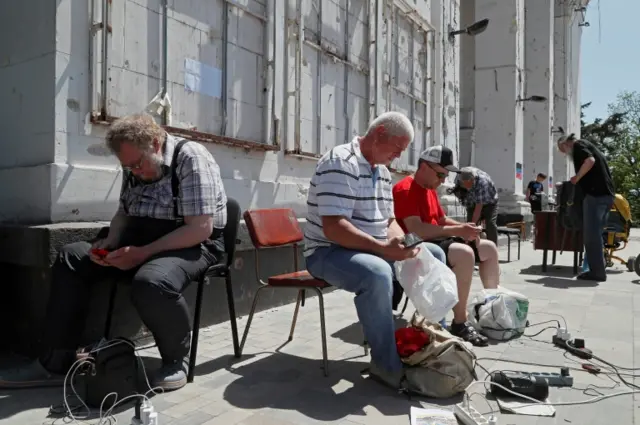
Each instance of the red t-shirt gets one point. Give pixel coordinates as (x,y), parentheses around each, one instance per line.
(411,199)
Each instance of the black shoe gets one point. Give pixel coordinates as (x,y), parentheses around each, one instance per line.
(468,333)
(590,276)
(171,376)
(33,375)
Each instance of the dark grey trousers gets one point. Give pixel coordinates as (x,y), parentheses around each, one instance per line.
(156,293)
(489,214)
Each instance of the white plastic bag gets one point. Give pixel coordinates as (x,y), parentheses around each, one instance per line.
(500,314)
(429,284)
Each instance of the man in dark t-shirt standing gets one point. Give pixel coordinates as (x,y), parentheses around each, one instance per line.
(535,188)
(594,177)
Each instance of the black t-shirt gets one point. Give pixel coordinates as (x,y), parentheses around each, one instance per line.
(535,188)
(598,181)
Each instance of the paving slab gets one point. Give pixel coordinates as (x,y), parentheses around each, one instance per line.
(282,383)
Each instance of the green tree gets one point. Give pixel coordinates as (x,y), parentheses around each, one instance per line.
(618,137)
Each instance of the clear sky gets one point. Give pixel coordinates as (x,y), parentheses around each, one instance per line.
(610,53)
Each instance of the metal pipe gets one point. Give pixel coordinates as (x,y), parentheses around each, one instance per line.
(379,55)
(165,51)
(319,83)
(93,60)
(224,102)
(345,100)
(391,19)
(104,83)
(426,91)
(371,87)
(269,47)
(298,65)
(412,109)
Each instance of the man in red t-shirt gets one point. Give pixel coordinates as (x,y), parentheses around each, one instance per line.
(418,210)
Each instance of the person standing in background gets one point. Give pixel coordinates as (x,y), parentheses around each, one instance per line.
(535,188)
(594,177)
(481,199)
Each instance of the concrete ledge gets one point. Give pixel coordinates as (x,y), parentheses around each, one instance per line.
(27,252)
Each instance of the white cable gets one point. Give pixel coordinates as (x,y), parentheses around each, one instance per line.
(69,377)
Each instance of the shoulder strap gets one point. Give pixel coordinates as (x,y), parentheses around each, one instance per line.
(175,182)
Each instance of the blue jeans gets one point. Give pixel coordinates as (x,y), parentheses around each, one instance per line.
(595,210)
(371,278)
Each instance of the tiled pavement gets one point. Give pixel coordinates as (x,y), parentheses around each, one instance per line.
(284,385)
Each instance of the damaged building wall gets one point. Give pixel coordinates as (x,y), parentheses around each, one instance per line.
(270,101)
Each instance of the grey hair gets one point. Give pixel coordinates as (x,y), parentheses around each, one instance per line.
(395,124)
(466,175)
(139,130)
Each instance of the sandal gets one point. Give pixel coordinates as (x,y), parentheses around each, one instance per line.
(468,333)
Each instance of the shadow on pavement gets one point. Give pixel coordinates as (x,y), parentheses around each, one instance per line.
(352,334)
(286,382)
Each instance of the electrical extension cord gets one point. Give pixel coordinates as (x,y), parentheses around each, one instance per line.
(148,416)
(583,353)
(470,416)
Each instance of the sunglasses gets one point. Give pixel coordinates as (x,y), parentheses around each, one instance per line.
(440,174)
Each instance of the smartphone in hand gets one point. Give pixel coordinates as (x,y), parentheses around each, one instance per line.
(412,240)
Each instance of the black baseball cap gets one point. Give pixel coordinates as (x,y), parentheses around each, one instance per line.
(441,155)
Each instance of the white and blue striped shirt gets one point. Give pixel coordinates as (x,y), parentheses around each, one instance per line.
(345,184)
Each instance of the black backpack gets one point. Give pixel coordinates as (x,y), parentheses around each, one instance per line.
(570,197)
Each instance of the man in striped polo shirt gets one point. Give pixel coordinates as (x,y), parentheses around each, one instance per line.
(352,238)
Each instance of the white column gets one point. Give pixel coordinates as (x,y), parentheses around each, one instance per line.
(538,117)
(560,87)
(498,113)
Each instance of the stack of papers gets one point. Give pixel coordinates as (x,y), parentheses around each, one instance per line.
(420,416)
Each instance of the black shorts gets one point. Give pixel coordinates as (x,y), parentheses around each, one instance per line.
(446,243)
(536,206)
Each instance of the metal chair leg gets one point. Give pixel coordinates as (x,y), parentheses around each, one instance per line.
(232,317)
(406,303)
(195,332)
(250,318)
(508,248)
(519,248)
(295,314)
(365,343)
(323,332)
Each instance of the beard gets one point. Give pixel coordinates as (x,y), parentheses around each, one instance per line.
(155,163)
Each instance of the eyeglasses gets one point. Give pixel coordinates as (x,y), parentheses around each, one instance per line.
(135,166)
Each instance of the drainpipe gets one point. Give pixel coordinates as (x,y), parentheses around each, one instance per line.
(93,63)
(345,112)
(298,65)
(269,46)
(104,83)
(165,65)
(319,54)
(225,69)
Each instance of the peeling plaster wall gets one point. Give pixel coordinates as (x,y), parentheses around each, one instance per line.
(56,169)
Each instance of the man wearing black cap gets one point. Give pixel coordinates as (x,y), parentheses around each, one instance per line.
(418,210)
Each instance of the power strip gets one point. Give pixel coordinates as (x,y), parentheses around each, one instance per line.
(468,415)
(554,379)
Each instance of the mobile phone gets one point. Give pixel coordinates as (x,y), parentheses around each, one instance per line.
(411,240)
(99,252)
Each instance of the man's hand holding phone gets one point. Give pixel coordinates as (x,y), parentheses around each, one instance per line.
(395,249)
(469,231)
(99,250)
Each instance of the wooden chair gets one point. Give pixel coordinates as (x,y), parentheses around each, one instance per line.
(274,228)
